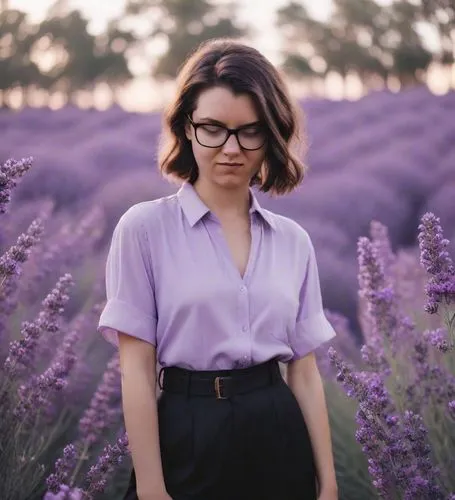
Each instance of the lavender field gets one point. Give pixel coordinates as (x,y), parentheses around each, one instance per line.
(379,168)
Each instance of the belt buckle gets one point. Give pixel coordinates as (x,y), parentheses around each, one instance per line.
(218,387)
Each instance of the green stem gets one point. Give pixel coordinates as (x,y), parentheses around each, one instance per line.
(82,457)
(3,280)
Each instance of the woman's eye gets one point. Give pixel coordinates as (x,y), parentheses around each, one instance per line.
(212,129)
(251,131)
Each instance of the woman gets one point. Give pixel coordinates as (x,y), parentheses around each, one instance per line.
(218,290)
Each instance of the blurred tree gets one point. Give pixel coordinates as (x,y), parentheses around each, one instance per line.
(387,32)
(302,38)
(324,47)
(410,58)
(182,26)
(60,53)
(441,15)
(16,39)
(362,36)
(83,60)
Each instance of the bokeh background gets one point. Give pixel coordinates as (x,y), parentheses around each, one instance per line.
(82,86)
(83,82)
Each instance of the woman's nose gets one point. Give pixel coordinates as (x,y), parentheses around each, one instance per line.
(231,145)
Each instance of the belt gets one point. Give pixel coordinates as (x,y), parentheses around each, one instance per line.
(221,384)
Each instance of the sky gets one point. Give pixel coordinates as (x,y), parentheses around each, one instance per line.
(142,92)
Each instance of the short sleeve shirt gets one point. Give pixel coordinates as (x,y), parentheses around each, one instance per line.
(171,281)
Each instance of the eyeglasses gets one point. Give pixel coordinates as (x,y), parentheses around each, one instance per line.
(249,137)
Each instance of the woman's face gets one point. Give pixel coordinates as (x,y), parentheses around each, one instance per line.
(219,106)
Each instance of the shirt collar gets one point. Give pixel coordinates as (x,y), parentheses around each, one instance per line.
(194,208)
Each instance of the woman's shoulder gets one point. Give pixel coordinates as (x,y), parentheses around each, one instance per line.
(289,227)
(147,212)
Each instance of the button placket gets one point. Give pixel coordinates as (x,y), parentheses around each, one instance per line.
(244,322)
(244,299)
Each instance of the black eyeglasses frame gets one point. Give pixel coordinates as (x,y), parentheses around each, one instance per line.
(231,131)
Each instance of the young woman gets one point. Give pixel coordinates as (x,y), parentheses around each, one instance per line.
(217,290)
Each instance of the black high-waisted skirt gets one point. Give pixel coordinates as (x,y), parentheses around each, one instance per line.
(252,445)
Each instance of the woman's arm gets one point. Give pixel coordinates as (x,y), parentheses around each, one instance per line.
(304,379)
(138,372)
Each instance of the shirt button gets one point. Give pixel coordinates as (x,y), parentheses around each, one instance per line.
(243,288)
(244,328)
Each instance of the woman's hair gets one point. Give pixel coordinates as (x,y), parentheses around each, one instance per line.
(243,70)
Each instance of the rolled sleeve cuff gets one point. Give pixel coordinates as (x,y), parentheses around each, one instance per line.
(120,316)
(310,334)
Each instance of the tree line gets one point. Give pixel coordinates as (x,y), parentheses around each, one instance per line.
(360,36)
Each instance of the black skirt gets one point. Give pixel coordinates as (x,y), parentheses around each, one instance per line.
(250,446)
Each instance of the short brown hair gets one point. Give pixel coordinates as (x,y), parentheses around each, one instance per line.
(243,70)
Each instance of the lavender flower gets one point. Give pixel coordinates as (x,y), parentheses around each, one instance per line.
(439,338)
(353,385)
(65,493)
(11,264)
(73,242)
(63,363)
(34,395)
(451,407)
(421,474)
(381,242)
(100,413)
(395,446)
(82,373)
(63,467)
(110,458)
(10,171)
(381,313)
(17,254)
(22,352)
(435,258)
(433,247)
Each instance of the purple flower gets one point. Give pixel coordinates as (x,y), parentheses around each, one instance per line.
(74,241)
(395,445)
(381,314)
(65,493)
(435,258)
(10,171)
(63,468)
(83,373)
(451,407)
(110,458)
(63,363)
(11,267)
(35,394)
(433,246)
(22,352)
(353,386)
(439,338)
(101,414)
(422,474)
(381,242)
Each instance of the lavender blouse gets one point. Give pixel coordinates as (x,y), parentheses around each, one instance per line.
(171,281)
